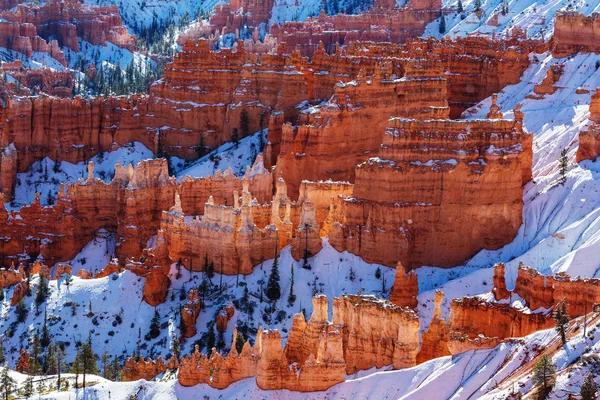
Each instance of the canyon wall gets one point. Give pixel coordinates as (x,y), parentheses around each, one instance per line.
(366,332)
(391,217)
(589,138)
(574,33)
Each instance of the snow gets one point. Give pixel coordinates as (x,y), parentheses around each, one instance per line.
(121,295)
(536,17)
(44,177)
(110,54)
(229,155)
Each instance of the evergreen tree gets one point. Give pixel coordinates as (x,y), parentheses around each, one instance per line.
(35,367)
(182,293)
(292,296)
(106,364)
(155,325)
(1,295)
(27,390)
(45,339)
(239,342)
(562,320)
(443,25)
(2,356)
(459,7)
(115,369)
(589,388)
(175,348)
(477,5)
(87,359)
(210,339)
(7,384)
(563,164)
(21,311)
(42,291)
(244,123)
(542,375)
(273,288)
(235,137)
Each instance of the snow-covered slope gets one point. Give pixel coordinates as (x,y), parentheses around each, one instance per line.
(118,315)
(481,374)
(534,16)
(45,177)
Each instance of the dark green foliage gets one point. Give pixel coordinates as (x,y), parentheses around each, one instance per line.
(459,7)
(42,291)
(562,320)
(543,374)
(563,163)
(155,325)
(211,339)
(273,288)
(244,123)
(443,25)
(21,311)
(239,342)
(7,384)
(589,388)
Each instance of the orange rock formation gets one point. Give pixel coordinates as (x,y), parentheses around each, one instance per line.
(434,342)
(406,288)
(574,32)
(589,139)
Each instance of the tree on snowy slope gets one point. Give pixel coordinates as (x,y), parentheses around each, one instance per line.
(7,384)
(562,320)
(543,374)
(589,388)
(87,359)
(273,288)
(563,163)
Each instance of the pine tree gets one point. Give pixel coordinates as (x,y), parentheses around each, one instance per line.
(443,25)
(562,320)
(115,369)
(292,296)
(2,356)
(244,123)
(175,348)
(563,164)
(239,342)
(235,137)
(106,364)
(1,295)
(27,390)
(459,7)
(589,388)
(155,325)
(42,291)
(45,339)
(210,339)
(87,359)
(182,293)
(7,384)
(477,6)
(273,288)
(542,375)
(21,311)
(35,365)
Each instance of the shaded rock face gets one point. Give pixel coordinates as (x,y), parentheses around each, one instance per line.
(434,341)
(156,286)
(24,362)
(189,314)
(406,288)
(391,218)
(365,332)
(224,316)
(589,138)
(574,32)
(580,295)
(23,38)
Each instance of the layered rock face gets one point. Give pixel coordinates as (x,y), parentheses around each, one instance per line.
(45,80)
(23,38)
(546,291)
(366,332)
(384,23)
(332,141)
(574,33)
(462,164)
(131,205)
(135,369)
(406,288)
(68,19)
(473,316)
(189,314)
(589,139)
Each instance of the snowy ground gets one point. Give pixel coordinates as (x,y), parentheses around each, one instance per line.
(229,155)
(119,298)
(534,16)
(482,374)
